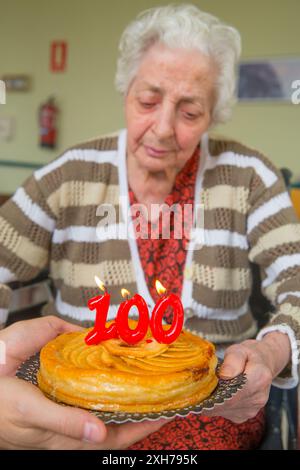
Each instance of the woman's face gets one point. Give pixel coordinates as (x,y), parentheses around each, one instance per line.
(168,107)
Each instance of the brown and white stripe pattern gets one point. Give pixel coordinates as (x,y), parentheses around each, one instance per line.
(52,222)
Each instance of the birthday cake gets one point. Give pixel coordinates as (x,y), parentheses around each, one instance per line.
(115,376)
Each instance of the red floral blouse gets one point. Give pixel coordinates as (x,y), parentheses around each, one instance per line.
(164,259)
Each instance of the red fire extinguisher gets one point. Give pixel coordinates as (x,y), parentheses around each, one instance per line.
(47,123)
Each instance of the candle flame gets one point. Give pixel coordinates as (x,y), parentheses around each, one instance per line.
(159,287)
(125,293)
(99,283)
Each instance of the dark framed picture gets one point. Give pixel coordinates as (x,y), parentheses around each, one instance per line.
(269,79)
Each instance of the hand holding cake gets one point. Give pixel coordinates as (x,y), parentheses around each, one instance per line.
(30,421)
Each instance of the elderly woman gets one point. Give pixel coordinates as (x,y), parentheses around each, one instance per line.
(176,72)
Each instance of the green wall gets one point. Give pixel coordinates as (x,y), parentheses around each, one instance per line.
(85,92)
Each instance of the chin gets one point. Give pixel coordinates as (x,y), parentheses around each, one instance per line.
(153,164)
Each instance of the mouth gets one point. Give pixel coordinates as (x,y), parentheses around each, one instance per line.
(155,152)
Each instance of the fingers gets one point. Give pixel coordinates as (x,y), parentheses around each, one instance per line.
(47,328)
(31,421)
(78,424)
(71,422)
(60,326)
(250,399)
(124,435)
(120,436)
(25,338)
(234,362)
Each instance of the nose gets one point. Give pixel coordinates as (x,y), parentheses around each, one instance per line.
(164,126)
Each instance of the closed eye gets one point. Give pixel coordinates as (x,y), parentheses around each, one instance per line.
(147,105)
(190,116)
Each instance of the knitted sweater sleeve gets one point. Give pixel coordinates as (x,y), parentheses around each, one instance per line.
(274,245)
(26,225)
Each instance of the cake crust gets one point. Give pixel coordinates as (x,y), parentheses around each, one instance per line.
(114,376)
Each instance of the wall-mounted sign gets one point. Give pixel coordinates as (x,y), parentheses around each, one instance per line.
(16,82)
(58,56)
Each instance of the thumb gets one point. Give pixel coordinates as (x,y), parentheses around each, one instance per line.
(234,362)
(26,337)
(64,420)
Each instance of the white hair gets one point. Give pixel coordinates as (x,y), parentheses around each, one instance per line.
(183,26)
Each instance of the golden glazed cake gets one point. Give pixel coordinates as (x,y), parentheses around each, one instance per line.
(114,376)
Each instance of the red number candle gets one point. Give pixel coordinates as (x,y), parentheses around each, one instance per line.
(171,334)
(101,304)
(120,328)
(125,332)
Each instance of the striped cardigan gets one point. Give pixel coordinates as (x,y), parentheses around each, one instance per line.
(52,222)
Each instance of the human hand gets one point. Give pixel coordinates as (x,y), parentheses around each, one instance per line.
(261,361)
(24,338)
(28,420)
